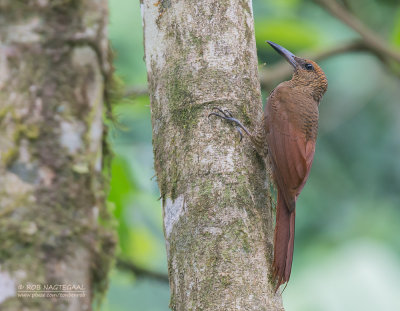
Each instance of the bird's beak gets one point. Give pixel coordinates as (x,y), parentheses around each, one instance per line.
(290,57)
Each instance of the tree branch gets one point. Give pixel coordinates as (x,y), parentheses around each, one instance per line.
(141,272)
(136,91)
(371,39)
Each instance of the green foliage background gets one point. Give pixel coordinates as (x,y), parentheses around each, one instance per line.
(347,253)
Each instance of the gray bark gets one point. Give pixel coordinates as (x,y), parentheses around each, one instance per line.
(218,218)
(54,68)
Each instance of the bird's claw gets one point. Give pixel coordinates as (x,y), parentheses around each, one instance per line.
(227,115)
(240,133)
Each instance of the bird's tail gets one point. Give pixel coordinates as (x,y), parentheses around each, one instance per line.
(283,242)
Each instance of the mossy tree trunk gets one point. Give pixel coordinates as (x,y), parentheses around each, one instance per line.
(53,73)
(218,220)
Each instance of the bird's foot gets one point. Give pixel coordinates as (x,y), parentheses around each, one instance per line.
(227,115)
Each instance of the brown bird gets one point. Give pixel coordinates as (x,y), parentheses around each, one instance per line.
(287,134)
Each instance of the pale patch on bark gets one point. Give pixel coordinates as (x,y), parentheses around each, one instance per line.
(85,56)
(142,13)
(7,286)
(174,209)
(96,130)
(213,230)
(71,136)
(95,213)
(81,57)
(215,51)
(4,70)
(155,47)
(30,228)
(211,156)
(42,3)
(24,154)
(13,185)
(156,126)
(25,32)
(95,136)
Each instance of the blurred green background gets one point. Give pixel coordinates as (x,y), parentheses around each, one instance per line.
(347,253)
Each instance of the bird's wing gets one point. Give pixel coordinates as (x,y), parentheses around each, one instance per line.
(290,151)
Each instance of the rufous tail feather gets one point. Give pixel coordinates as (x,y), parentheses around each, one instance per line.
(283,242)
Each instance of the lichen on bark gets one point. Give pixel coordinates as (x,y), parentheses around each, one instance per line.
(215,194)
(52,82)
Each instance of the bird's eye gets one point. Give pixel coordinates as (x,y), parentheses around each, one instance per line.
(308,66)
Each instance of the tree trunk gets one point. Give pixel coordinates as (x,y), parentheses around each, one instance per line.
(218,218)
(53,72)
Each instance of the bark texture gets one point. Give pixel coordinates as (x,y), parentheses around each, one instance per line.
(218,218)
(54,68)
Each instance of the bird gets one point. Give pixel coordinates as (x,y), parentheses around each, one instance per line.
(286,137)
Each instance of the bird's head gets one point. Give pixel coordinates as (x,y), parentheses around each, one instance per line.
(306,72)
